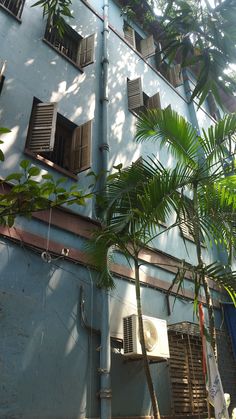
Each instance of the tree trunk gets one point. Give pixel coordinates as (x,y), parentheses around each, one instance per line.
(211,316)
(152,393)
(197,239)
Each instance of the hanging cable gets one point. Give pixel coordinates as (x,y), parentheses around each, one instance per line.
(46,257)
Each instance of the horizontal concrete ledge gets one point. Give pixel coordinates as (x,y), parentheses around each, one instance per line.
(34,241)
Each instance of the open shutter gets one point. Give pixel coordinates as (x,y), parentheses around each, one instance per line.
(135,94)
(129,35)
(86,51)
(175,75)
(80,148)
(154,102)
(186,229)
(147,46)
(43,127)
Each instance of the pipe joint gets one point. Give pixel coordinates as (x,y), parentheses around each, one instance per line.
(103,371)
(106,393)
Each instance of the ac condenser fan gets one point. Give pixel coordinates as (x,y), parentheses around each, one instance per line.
(150,335)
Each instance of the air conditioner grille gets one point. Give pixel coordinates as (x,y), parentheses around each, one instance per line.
(128,336)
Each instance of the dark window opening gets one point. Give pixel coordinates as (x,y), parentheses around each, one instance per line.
(67,45)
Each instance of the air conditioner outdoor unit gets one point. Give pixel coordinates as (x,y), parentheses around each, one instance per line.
(155,333)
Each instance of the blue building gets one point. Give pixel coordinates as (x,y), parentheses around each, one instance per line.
(53,100)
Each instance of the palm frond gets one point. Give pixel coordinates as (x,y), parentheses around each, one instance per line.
(171,130)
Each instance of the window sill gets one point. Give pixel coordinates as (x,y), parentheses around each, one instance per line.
(10,13)
(62,55)
(50,164)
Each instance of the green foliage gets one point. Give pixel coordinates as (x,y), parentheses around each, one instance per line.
(27,194)
(23,192)
(198,36)
(56,11)
(142,196)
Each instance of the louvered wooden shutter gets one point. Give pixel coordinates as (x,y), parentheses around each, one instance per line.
(86,51)
(175,75)
(43,127)
(147,46)
(129,35)
(81,148)
(135,94)
(154,102)
(186,227)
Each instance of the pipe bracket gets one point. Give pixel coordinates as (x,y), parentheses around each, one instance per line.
(104,146)
(105,393)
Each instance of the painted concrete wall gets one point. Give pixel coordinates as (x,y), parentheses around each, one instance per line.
(49,360)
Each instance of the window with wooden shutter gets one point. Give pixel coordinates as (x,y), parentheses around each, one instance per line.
(81,148)
(129,35)
(86,51)
(42,127)
(147,46)
(135,94)
(71,45)
(58,142)
(154,102)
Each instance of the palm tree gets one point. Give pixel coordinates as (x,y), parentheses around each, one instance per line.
(125,228)
(211,183)
(128,228)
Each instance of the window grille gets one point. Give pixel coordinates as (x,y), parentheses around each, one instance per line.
(14,6)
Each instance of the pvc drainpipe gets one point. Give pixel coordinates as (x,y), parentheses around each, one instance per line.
(191,108)
(105,352)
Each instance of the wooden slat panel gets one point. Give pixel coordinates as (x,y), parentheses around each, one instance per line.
(86,51)
(154,102)
(129,35)
(135,94)
(148,47)
(43,126)
(81,148)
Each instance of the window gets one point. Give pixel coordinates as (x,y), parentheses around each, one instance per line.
(145,46)
(79,50)
(55,139)
(138,101)
(13,6)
